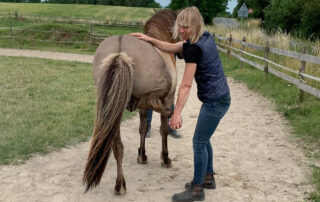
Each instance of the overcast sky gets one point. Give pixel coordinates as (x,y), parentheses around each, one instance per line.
(231,4)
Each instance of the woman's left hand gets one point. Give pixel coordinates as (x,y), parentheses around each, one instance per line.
(175,121)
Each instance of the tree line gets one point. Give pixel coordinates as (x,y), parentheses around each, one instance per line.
(298,17)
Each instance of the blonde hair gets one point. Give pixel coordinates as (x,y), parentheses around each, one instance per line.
(192,18)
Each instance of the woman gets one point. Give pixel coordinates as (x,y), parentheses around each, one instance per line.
(202,62)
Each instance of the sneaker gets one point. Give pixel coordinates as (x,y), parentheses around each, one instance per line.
(174,134)
(195,193)
(209,182)
(148,132)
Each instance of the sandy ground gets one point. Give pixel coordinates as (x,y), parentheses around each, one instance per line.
(254,158)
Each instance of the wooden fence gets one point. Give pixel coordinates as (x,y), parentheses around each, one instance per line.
(94,36)
(303,57)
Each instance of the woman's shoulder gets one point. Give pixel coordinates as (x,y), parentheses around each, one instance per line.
(190,47)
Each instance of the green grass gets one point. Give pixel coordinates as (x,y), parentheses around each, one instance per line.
(44,105)
(57,32)
(304,117)
(99,12)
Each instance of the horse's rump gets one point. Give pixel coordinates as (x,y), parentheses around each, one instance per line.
(151,77)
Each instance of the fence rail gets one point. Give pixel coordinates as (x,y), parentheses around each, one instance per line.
(300,83)
(71,20)
(94,37)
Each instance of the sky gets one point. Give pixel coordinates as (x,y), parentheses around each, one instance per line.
(231,4)
(163,3)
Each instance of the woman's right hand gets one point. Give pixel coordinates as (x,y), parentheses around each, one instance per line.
(142,36)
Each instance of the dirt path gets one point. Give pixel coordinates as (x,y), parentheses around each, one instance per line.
(254,159)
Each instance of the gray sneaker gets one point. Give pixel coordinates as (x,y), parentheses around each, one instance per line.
(174,133)
(148,132)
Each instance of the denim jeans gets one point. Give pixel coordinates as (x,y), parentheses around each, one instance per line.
(209,117)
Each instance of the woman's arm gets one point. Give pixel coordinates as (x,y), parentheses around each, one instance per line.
(184,91)
(163,45)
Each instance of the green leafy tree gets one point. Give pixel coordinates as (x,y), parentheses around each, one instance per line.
(256,5)
(311,19)
(285,15)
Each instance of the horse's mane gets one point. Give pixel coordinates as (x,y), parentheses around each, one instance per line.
(160,25)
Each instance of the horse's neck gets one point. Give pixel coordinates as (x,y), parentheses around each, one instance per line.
(160,35)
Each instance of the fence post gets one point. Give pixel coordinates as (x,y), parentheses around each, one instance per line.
(230,40)
(242,48)
(90,34)
(266,56)
(302,70)
(11,28)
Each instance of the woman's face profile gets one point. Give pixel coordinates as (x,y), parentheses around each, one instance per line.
(184,32)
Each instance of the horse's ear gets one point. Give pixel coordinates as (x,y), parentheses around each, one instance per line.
(155,10)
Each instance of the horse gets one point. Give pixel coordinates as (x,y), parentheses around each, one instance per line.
(130,74)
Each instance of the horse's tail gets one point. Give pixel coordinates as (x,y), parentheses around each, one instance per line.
(113,94)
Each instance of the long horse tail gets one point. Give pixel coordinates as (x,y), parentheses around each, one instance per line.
(113,94)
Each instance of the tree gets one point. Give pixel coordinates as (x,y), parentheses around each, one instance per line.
(256,5)
(285,15)
(207,8)
(310,21)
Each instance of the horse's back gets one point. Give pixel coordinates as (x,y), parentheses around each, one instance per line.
(150,74)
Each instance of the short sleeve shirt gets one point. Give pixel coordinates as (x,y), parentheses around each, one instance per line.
(191,53)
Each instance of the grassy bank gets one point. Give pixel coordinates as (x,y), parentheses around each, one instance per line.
(303,117)
(44,105)
(59,37)
(99,12)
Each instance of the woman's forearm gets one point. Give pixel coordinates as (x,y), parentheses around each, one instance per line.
(163,45)
(167,46)
(184,91)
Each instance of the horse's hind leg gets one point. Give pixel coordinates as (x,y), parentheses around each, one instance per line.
(117,148)
(142,158)
(165,160)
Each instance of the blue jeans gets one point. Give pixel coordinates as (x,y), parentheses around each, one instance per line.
(210,115)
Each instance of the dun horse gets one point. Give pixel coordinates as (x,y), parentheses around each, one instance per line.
(130,73)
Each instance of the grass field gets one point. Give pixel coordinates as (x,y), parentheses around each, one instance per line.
(99,12)
(303,117)
(63,34)
(44,105)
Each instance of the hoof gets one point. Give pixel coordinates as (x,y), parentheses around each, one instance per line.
(142,160)
(120,188)
(122,191)
(166,163)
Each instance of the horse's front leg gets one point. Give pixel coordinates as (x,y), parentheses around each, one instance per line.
(142,158)
(117,148)
(165,160)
